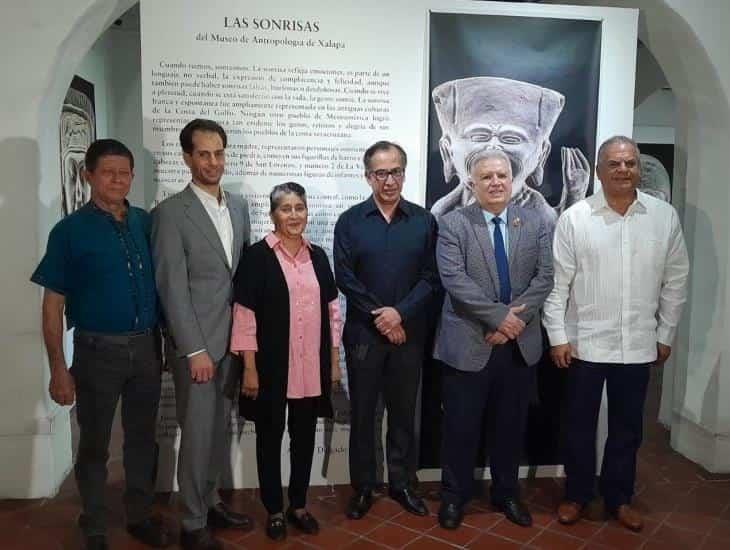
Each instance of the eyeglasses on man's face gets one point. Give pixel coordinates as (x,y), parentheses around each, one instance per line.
(381,176)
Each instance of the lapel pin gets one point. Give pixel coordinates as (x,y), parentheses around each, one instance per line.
(516,222)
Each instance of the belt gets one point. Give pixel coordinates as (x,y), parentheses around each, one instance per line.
(115,337)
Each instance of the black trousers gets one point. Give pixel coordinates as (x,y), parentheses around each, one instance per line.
(626,387)
(394,371)
(492,401)
(302,424)
(105,368)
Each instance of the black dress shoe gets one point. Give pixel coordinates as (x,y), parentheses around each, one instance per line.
(96,542)
(276,528)
(410,502)
(514,511)
(305,523)
(359,504)
(152,532)
(450,516)
(221,517)
(199,539)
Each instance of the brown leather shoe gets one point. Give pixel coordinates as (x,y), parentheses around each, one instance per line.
(629,518)
(569,512)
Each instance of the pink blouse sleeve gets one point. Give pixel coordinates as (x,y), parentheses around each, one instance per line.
(243,333)
(335,322)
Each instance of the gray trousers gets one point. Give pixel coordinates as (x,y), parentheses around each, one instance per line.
(203,413)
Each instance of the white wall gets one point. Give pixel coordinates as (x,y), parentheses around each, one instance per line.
(41,46)
(655,118)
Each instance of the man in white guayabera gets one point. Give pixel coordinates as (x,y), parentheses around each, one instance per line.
(517,117)
(621,271)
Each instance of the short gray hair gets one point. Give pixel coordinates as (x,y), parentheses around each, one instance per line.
(475,157)
(618,140)
(286,188)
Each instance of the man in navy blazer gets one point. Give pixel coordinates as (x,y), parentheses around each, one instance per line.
(495,264)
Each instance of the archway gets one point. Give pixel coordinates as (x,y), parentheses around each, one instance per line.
(692,403)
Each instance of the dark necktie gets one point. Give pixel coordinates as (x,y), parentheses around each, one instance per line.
(500,255)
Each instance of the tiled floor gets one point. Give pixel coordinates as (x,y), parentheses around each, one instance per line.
(685,508)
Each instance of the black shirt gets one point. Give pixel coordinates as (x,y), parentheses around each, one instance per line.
(381,264)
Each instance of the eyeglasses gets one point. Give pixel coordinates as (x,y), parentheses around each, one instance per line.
(381,176)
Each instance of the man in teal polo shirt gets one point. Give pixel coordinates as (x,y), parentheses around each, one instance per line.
(98,270)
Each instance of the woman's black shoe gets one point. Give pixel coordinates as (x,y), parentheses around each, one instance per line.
(305,523)
(276,528)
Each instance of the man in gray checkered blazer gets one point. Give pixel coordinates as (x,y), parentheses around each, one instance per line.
(495,263)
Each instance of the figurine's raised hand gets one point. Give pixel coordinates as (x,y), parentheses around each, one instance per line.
(576,175)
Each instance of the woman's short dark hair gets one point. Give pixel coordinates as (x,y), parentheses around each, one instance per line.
(286,188)
(106,148)
(200,125)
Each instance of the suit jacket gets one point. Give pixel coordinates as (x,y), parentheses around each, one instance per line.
(194,280)
(468,269)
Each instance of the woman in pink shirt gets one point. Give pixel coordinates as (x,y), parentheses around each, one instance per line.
(286,325)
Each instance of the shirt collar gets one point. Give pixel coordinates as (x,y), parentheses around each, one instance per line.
(488,216)
(273,241)
(371,207)
(95,208)
(598,202)
(206,198)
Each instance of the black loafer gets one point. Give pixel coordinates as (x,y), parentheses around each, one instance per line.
(199,539)
(359,504)
(305,523)
(152,532)
(96,542)
(450,516)
(276,528)
(514,511)
(410,502)
(222,517)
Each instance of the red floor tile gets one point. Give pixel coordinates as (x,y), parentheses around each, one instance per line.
(417,523)
(428,543)
(459,537)
(357,526)
(672,537)
(617,537)
(392,535)
(582,529)
(509,530)
(493,542)
(365,544)
(330,538)
(550,540)
(483,520)
(385,508)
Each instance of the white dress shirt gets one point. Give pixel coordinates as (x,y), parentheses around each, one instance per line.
(488,217)
(620,281)
(221,217)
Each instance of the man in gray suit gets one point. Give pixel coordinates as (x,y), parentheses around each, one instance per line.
(496,267)
(198,235)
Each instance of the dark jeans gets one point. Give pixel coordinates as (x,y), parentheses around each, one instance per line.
(395,372)
(302,424)
(626,387)
(105,368)
(496,397)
